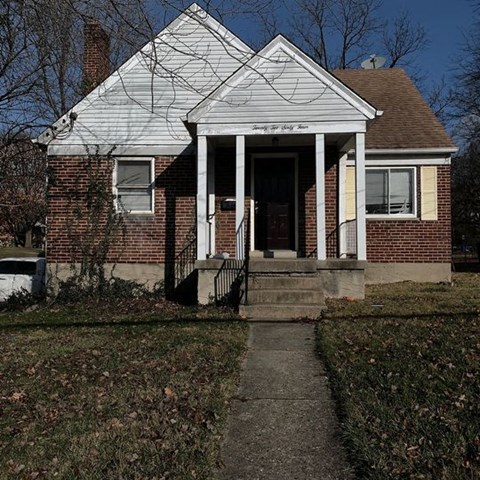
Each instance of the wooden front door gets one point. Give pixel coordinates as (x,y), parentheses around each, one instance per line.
(275,204)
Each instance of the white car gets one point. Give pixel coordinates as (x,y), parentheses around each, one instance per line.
(21,273)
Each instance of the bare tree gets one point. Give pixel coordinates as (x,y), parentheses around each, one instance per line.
(466,193)
(340,33)
(466,167)
(18,69)
(441,98)
(403,40)
(41,47)
(468,98)
(22,189)
(335,32)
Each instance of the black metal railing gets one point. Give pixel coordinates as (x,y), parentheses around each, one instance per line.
(231,281)
(185,262)
(228,282)
(333,244)
(246,266)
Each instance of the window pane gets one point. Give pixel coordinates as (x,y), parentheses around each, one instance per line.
(136,200)
(401,194)
(133,173)
(12,267)
(377,191)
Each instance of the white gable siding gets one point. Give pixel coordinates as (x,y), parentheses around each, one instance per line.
(146,104)
(281,90)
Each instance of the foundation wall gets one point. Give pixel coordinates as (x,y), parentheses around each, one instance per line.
(378,273)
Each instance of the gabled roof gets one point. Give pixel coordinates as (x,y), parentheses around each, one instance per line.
(288,75)
(407,122)
(182,64)
(196,69)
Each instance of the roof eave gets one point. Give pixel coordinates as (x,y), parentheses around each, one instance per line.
(411,151)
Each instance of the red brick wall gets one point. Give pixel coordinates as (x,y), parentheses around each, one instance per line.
(160,237)
(307,221)
(96,56)
(148,238)
(224,188)
(406,241)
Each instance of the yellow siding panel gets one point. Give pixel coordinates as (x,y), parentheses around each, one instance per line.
(429,204)
(350,213)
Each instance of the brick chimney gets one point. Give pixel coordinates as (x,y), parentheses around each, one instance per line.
(96,56)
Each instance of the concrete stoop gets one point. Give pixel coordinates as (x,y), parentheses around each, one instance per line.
(283,290)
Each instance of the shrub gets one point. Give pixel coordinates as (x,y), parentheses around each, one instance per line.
(76,289)
(20,300)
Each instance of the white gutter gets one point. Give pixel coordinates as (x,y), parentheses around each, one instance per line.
(408,151)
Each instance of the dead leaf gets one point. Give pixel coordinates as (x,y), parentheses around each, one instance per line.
(133,458)
(18,396)
(116,423)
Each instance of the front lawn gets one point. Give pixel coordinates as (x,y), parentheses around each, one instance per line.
(137,401)
(404,366)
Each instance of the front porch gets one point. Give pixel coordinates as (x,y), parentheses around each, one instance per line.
(272,148)
(280,196)
(273,228)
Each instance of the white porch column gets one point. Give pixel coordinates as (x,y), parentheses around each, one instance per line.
(320,195)
(240,198)
(202,197)
(211,200)
(360,196)
(342,207)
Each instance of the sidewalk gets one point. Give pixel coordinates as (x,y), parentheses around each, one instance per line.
(282,424)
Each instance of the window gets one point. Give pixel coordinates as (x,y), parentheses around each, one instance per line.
(390,191)
(134,185)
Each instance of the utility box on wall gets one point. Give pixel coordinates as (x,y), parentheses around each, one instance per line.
(227,205)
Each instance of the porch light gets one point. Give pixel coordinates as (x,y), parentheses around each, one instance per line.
(275,142)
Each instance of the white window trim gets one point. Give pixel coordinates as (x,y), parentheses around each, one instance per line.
(396,216)
(118,209)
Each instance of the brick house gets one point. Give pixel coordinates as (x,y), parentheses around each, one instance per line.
(329,180)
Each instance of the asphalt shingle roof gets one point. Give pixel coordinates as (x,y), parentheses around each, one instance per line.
(407,121)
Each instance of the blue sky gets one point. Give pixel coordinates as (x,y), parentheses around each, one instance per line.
(445,21)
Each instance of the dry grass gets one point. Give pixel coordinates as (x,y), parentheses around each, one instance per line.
(142,401)
(407,299)
(404,365)
(6,252)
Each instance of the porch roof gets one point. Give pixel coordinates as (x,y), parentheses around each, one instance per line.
(282,90)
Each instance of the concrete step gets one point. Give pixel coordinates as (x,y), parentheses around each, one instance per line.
(286,297)
(284,282)
(275,312)
(260,265)
(274,254)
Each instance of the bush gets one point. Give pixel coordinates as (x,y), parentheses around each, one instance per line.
(20,300)
(76,289)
